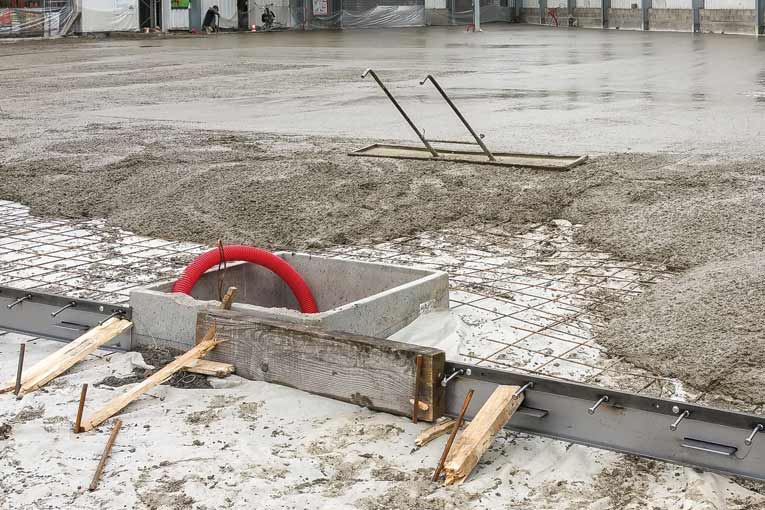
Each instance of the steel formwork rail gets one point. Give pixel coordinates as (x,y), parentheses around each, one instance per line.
(40,314)
(668,430)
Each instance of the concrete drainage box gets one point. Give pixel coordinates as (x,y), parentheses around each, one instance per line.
(354,297)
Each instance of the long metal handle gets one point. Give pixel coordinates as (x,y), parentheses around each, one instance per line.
(461,117)
(401,111)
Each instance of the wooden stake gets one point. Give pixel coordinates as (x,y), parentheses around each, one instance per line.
(22,350)
(225,304)
(105,455)
(478,436)
(418,369)
(160,376)
(228,299)
(80,408)
(449,442)
(437,430)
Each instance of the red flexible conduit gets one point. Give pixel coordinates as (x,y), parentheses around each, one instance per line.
(240,253)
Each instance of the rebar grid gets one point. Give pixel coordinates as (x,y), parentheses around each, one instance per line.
(85,259)
(529,299)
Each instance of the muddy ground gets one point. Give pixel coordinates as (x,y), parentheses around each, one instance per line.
(244,138)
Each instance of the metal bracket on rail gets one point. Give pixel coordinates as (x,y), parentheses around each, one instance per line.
(41,314)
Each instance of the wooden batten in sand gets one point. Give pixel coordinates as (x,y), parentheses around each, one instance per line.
(207,367)
(65,358)
(479,434)
(443,426)
(372,372)
(119,403)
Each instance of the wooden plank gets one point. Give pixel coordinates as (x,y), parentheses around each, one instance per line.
(479,434)
(443,426)
(53,358)
(207,367)
(65,358)
(371,372)
(120,402)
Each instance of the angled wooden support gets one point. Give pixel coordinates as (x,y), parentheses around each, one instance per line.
(479,434)
(65,358)
(372,372)
(160,376)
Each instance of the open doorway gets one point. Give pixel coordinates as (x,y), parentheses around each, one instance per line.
(243,14)
(150,14)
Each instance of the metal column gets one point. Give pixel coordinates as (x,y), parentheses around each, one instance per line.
(697,5)
(759,28)
(542,12)
(645,6)
(605,5)
(571,8)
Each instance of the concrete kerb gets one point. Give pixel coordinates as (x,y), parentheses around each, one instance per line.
(384,299)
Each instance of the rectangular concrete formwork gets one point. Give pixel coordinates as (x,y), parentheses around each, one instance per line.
(353,297)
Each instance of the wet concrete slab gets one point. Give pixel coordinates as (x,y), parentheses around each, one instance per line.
(534,89)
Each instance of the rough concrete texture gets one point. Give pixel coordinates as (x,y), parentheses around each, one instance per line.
(728,21)
(680,20)
(704,326)
(172,140)
(624,19)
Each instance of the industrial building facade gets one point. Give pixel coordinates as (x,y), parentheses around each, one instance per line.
(19,18)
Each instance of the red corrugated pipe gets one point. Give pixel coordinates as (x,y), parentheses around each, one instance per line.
(240,253)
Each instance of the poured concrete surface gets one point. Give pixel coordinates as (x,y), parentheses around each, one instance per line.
(529,89)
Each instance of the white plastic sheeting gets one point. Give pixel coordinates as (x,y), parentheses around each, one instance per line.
(389,16)
(671,4)
(33,22)
(179,19)
(729,4)
(229,17)
(285,17)
(435,4)
(109,16)
(624,4)
(588,4)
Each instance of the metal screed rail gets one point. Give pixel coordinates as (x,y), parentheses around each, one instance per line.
(677,432)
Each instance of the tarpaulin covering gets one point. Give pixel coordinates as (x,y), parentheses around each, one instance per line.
(286,15)
(33,22)
(110,16)
(388,16)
